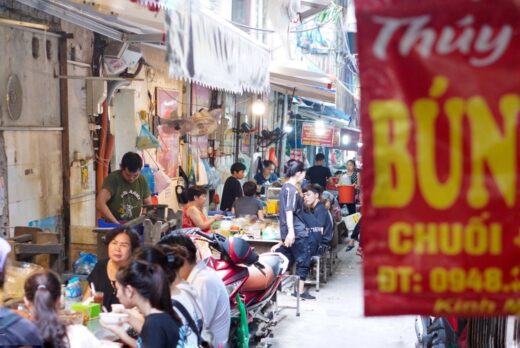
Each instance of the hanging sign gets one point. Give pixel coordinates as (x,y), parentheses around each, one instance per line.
(317,135)
(440,112)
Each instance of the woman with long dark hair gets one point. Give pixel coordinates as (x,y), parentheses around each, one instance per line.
(145,285)
(184,298)
(43,298)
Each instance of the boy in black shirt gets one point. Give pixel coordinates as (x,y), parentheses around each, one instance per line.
(319,174)
(232,188)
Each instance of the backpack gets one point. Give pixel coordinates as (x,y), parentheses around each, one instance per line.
(191,323)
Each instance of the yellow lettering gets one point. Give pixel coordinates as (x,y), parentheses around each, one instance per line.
(512,306)
(450,238)
(425,238)
(399,238)
(491,146)
(476,237)
(426,111)
(392,160)
(495,235)
(386,279)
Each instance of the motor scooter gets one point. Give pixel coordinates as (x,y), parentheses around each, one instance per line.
(255,278)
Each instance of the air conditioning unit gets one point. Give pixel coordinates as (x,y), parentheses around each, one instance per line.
(119,56)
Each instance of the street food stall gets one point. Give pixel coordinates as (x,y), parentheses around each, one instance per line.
(261,235)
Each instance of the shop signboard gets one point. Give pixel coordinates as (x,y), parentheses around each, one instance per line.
(317,135)
(440,112)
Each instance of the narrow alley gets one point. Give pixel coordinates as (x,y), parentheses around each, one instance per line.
(335,318)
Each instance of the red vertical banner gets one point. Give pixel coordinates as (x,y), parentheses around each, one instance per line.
(440,104)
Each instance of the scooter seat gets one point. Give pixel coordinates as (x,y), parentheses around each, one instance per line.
(271,260)
(258,280)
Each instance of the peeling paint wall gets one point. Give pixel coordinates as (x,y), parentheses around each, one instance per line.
(82,157)
(34,175)
(32,159)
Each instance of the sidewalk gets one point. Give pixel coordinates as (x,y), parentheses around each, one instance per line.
(335,318)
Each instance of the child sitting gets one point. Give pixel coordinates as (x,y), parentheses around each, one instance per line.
(248,204)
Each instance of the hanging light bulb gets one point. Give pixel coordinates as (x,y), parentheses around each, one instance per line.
(258,107)
(288,128)
(360,144)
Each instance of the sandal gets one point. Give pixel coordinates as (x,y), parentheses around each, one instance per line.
(359,252)
(351,245)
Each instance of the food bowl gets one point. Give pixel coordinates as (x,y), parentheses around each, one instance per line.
(113,318)
(118,308)
(72,318)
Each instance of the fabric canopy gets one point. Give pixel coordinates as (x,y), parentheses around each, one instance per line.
(296,77)
(208,50)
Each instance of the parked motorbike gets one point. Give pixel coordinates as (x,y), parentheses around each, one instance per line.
(254,278)
(474,332)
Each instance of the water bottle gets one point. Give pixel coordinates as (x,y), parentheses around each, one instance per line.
(72,292)
(148,174)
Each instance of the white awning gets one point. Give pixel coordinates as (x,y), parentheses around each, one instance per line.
(300,79)
(210,51)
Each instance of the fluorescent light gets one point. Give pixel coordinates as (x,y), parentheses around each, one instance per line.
(320,124)
(288,128)
(345,139)
(359,144)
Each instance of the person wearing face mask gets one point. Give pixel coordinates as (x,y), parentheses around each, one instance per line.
(121,244)
(124,191)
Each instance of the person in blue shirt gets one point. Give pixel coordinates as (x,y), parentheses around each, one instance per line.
(266,175)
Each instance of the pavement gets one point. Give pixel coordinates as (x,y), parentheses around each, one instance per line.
(335,318)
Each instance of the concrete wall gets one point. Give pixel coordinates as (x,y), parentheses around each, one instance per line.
(32,159)
(34,175)
(82,174)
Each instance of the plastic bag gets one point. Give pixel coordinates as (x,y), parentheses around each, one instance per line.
(162,181)
(146,140)
(85,263)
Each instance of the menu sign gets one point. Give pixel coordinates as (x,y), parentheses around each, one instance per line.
(313,134)
(440,112)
